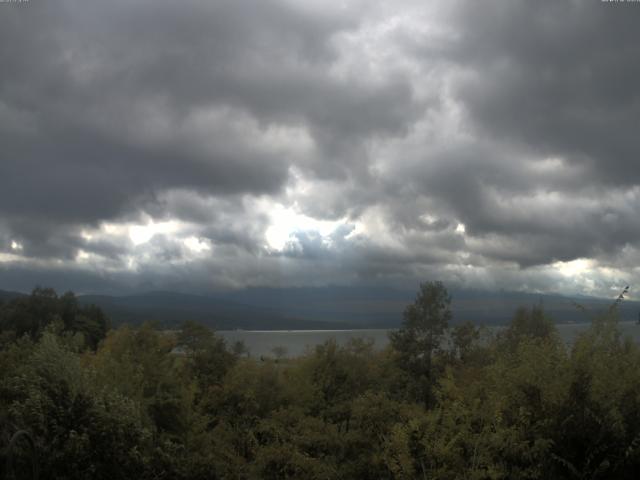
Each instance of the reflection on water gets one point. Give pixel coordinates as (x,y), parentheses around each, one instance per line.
(296,342)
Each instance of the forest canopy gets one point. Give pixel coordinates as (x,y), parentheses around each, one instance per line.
(79,400)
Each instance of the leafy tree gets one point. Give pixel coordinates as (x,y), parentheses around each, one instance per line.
(92,323)
(338,374)
(208,358)
(295,445)
(240,349)
(81,430)
(464,338)
(527,323)
(423,328)
(596,431)
(29,315)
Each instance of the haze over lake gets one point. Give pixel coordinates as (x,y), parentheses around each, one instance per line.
(297,342)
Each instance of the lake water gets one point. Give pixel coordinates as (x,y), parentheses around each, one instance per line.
(297,342)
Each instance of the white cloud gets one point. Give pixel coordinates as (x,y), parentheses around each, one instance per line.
(142,233)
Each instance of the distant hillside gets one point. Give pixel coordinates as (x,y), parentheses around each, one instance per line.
(5,295)
(170,309)
(330,307)
(383,307)
(498,307)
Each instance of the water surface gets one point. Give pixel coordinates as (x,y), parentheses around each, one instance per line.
(297,342)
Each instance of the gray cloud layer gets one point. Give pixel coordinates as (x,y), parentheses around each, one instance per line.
(477,142)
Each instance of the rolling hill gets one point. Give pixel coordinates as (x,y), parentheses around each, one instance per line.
(331,307)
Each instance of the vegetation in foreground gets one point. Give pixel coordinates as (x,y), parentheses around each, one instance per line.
(126,403)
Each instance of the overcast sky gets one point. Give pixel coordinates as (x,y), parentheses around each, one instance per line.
(197,145)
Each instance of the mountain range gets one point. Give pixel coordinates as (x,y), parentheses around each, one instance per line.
(332,307)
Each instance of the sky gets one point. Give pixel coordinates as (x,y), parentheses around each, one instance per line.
(198,146)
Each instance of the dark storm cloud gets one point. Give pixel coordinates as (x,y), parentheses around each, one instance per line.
(103,107)
(560,78)
(477,142)
(361,257)
(547,168)
(517,212)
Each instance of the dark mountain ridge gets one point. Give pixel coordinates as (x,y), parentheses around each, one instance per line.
(331,307)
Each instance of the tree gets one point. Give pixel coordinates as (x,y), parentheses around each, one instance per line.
(464,337)
(527,323)
(240,349)
(279,352)
(81,429)
(423,328)
(207,356)
(31,314)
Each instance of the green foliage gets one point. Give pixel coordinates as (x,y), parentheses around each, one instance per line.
(424,326)
(31,314)
(526,324)
(464,338)
(208,359)
(149,404)
(82,430)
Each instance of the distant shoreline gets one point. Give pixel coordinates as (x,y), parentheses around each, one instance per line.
(298,342)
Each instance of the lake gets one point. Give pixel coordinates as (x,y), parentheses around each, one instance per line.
(297,342)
